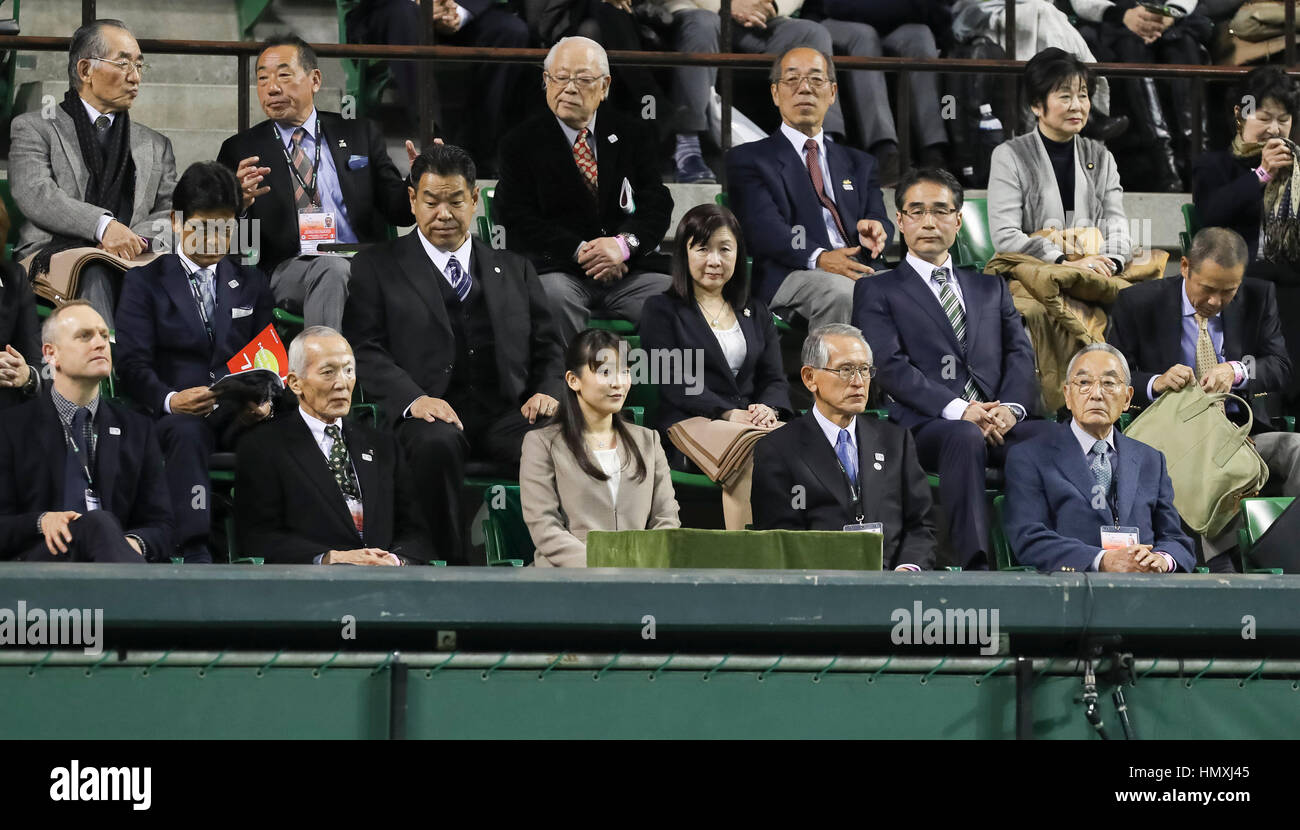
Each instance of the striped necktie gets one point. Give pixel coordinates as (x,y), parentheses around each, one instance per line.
(460,281)
(957,317)
(304,165)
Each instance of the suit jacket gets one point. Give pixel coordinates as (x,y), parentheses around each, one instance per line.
(1227,194)
(18,324)
(1146,325)
(48,180)
(543,202)
(289,509)
(162,345)
(670,324)
(128,474)
(374,193)
(897,495)
(1050,519)
(920,363)
(773,197)
(562,503)
(397,323)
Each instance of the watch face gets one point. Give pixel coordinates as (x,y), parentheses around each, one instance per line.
(633,241)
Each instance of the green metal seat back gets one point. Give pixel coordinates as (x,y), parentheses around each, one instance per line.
(974,240)
(1004,560)
(1258,514)
(507,515)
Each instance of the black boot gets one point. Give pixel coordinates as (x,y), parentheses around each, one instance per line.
(1145,102)
(1104,127)
(1186,146)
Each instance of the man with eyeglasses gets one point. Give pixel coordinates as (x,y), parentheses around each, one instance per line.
(1082,496)
(1220,330)
(953,356)
(835,469)
(812,212)
(580,195)
(88,176)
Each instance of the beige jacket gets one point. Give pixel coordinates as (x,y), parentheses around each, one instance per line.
(562,503)
(784,8)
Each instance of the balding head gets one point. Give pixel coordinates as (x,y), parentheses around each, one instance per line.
(576,75)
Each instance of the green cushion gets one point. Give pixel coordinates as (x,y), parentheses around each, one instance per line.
(772,549)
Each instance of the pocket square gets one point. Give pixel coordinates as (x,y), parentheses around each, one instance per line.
(236,313)
(357,162)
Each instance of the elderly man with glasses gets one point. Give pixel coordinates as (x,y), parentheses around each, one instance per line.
(835,469)
(1083,497)
(85,175)
(580,195)
(953,355)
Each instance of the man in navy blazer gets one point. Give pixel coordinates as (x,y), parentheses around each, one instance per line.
(81,480)
(180,319)
(811,210)
(952,354)
(1065,486)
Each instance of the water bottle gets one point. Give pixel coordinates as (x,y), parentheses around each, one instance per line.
(990,136)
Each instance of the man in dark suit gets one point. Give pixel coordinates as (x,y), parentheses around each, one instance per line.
(953,355)
(453,339)
(581,196)
(180,319)
(830,468)
(811,210)
(314,487)
(303,165)
(1083,497)
(80,479)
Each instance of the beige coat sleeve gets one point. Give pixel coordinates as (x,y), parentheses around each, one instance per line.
(540,499)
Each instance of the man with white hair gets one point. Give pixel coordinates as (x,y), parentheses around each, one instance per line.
(581,196)
(316,487)
(1083,497)
(832,469)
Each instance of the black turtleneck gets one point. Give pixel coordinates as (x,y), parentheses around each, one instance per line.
(1061,154)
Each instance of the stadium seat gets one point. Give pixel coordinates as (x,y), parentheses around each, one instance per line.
(15,219)
(1003,558)
(974,245)
(364,78)
(287,324)
(1192,224)
(506,538)
(1257,515)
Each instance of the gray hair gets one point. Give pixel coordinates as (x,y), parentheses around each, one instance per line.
(89,42)
(1100,347)
(52,322)
(602,60)
(814,351)
(1223,246)
(298,347)
(774,74)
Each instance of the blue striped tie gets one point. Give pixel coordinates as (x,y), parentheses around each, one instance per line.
(460,281)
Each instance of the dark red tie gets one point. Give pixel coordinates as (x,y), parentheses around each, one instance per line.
(815,173)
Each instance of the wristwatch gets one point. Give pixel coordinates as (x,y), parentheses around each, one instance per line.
(632,242)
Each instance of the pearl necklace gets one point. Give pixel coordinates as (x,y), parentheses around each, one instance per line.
(713,322)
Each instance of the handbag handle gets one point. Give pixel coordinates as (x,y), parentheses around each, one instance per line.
(1195,405)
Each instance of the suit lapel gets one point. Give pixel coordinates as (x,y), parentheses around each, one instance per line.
(307,455)
(970,293)
(67,135)
(223,313)
(916,287)
(487,273)
(108,449)
(1073,464)
(608,161)
(333,133)
(818,456)
(846,201)
(1129,469)
(702,333)
(867,443)
(568,176)
(50,434)
(798,187)
(279,202)
(420,273)
(1233,317)
(1170,337)
(363,461)
(177,285)
(142,155)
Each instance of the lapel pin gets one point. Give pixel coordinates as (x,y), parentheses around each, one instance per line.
(1089,165)
(233,283)
(847,184)
(877,466)
(343,145)
(497,269)
(365,456)
(114,431)
(613,139)
(747,314)
(880,456)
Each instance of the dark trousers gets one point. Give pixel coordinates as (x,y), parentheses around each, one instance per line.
(437,453)
(956,450)
(188,441)
(96,537)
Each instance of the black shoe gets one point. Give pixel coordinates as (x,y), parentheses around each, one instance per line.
(936,155)
(1104,127)
(887,167)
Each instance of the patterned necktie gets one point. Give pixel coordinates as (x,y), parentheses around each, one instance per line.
(848,459)
(304,165)
(586,161)
(957,317)
(460,281)
(101,130)
(813,155)
(341,464)
(1100,466)
(207,290)
(1206,359)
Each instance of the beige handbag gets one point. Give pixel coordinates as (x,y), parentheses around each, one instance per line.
(1212,461)
(1254,22)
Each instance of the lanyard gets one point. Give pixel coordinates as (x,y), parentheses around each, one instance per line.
(309,189)
(72,445)
(197,293)
(855,493)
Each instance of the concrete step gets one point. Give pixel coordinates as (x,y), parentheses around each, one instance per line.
(180,19)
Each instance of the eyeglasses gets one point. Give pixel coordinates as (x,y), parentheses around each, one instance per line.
(815,82)
(580,81)
(916,214)
(140,67)
(1109,386)
(848,373)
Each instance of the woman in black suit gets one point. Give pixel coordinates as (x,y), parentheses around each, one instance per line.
(708,311)
(20,339)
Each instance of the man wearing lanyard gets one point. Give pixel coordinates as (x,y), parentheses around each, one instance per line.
(831,469)
(310,178)
(180,319)
(80,479)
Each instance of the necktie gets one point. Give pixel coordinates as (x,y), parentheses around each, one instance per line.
(1100,466)
(76,463)
(460,281)
(101,130)
(1206,359)
(815,173)
(586,161)
(303,164)
(207,290)
(957,317)
(341,464)
(848,459)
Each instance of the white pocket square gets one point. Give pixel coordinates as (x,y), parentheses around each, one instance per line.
(236,313)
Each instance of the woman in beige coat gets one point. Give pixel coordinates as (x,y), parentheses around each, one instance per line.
(591,470)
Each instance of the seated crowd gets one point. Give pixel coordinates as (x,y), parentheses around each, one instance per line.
(476,353)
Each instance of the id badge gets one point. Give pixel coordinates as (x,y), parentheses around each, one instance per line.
(316,227)
(869,527)
(92,500)
(358,516)
(1113,537)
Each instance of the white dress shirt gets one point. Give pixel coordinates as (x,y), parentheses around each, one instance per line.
(611,465)
(797,140)
(734,348)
